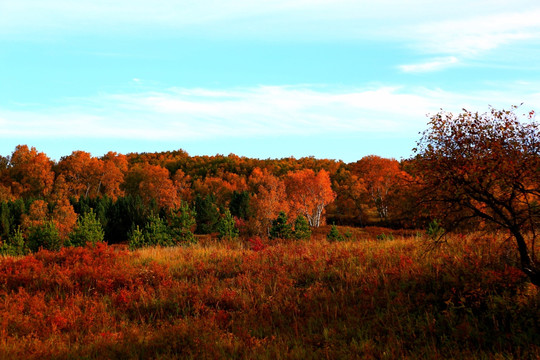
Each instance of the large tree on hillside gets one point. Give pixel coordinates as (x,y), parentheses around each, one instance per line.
(484,166)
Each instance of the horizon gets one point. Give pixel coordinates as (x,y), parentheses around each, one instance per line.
(265,80)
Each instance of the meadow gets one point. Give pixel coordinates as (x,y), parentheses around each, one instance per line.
(376,295)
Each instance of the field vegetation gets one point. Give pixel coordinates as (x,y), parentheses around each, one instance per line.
(359,298)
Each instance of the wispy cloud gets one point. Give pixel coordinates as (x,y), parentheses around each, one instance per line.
(432,65)
(471,35)
(192,114)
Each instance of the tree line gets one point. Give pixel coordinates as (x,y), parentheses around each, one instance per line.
(469,171)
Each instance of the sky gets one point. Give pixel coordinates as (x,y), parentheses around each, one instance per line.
(337,79)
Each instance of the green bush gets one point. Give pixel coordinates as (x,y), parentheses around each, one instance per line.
(334,234)
(44,236)
(181,223)
(301,228)
(384,236)
(136,239)
(280,229)
(156,232)
(15,244)
(227,226)
(87,231)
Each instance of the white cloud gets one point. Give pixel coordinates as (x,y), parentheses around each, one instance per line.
(470,35)
(433,65)
(198,114)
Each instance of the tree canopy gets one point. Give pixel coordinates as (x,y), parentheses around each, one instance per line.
(484,166)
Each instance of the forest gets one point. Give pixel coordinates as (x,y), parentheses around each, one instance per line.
(167,255)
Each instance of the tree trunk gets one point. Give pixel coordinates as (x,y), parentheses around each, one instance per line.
(527,264)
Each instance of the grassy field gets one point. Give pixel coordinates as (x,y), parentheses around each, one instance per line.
(370,297)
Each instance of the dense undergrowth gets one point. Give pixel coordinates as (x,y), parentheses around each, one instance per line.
(291,299)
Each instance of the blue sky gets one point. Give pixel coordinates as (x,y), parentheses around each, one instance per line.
(336,79)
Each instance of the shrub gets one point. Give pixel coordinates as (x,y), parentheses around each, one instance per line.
(301,228)
(45,236)
(334,234)
(280,229)
(87,230)
(227,226)
(136,239)
(15,244)
(434,230)
(156,232)
(384,236)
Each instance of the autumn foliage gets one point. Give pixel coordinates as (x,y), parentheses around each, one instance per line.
(232,257)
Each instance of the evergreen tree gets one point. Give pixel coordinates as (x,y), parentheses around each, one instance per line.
(125,214)
(87,230)
(15,245)
(17,208)
(181,223)
(334,234)
(136,239)
(301,228)
(5,220)
(44,236)
(280,228)
(207,214)
(227,226)
(156,232)
(240,204)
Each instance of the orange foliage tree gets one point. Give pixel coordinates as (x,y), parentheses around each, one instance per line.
(484,166)
(380,178)
(270,198)
(83,174)
(309,193)
(152,182)
(114,168)
(30,173)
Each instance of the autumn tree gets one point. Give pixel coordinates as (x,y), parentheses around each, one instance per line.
(351,198)
(270,198)
(115,166)
(152,183)
(309,193)
(30,173)
(82,172)
(380,178)
(64,218)
(484,166)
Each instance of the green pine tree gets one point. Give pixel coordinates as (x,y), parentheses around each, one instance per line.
(44,236)
(15,244)
(87,230)
(227,226)
(301,228)
(334,234)
(136,239)
(156,232)
(181,224)
(280,228)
